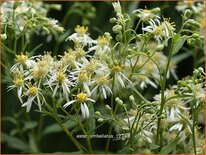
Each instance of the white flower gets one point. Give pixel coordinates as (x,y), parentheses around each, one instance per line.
(60,81)
(146,15)
(160,31)
(117,7)
(102,83)
(23,60)
(101,47)
(19,84)
(117,70)
(81,98)
(81,36)
(82,77)
(32,93)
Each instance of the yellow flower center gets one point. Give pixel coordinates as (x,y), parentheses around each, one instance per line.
(32,91)
(102,80)
(116,69)
(158,31)
(69,57)
(60,77)
(81,30)
(79,52)
(103,41)
(21,58)
(82,76)
(18,82)
(40,73)
(82,97)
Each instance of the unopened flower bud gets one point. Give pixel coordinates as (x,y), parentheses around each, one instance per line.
(108,107)
(46,30)
(100,120)
(155,10)
(159,47)
(3,36)
(98,113)
(113,20)
(117,28)
(118,37)
(131,98)
(201,70)
(118,101)
(187,14)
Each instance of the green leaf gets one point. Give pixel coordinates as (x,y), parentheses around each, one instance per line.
(32,144)
(178,42)
(153,146)
(30,125)
(186,121)
(91,121)
(178,58)
(168,148)
(55,128)
(14,142)
(10,119)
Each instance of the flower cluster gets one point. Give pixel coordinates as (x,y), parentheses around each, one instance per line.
(27,17)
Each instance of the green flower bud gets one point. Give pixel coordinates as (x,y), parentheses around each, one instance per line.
(117,28)
(113,20)
(155,10)
(138,38)
(46,30)
(118,101)
(201,70)
(131,98)
(118,37)
(193,23)
(187,14)
(159,47)
(101,120)
(108,107)
(98,113)
(3,36)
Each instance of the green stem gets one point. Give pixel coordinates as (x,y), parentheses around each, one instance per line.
(76,143)
(193,126)
(87,136)
(112,106)
(163,99)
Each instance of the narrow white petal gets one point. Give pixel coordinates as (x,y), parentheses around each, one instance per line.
(69,103)
(83,111)
(86,110)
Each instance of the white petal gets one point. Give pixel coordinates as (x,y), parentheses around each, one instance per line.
(83,111)
(68,103)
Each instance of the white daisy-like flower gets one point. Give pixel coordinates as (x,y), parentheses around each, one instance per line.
(102,46)
(117,70)
(59,80)
(81,36)
(19,84)
(81,98)
(117,7)
(102,83)
(160,31)
(146,15)
(32,93)
(81,77)
(23,60)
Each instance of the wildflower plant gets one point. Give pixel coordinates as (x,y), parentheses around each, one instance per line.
(122,78)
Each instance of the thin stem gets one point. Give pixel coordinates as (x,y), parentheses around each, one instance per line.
(163,99)
(112,106)
(193,125)
(87,136)
(76,143)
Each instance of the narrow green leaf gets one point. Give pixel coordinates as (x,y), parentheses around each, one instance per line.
(14,142)
(30,125)
(168,148)
(178,42)
(153,146)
